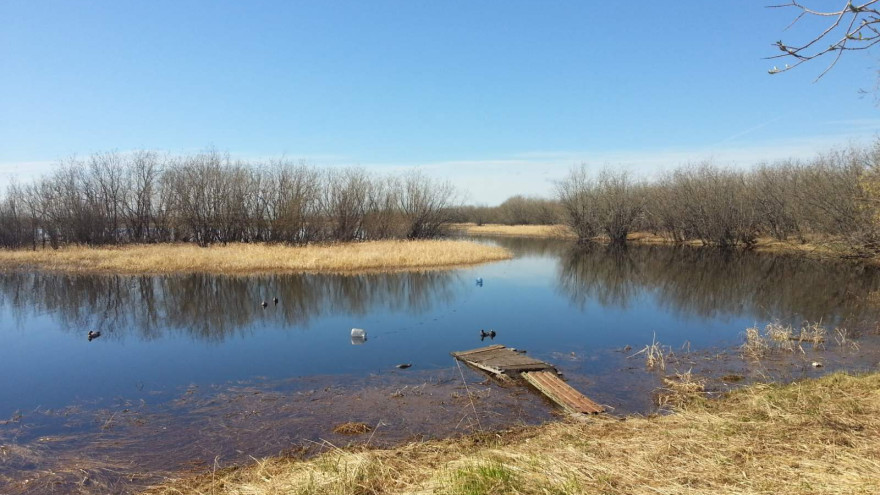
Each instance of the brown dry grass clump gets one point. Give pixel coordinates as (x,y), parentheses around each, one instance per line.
(352,428)
(257,258)
(785,338)
(811,437)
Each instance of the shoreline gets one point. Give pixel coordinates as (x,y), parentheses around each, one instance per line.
(255,259)
(815,249)
(706,445)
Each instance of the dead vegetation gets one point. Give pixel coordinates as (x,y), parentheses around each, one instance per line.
(779,337)
(815,436)
(540,231)
(680,389)
(352,428)
(655,354)
(257,258)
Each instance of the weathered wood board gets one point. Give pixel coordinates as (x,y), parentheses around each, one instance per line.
(561,393)
(501,360)
(505,362)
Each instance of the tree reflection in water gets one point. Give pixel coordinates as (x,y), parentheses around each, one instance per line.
(211,308)
(709,282)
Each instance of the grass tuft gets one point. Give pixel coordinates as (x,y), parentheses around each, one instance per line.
(680,389)
(778,337)
(352,428)
(655,354)
(480,479)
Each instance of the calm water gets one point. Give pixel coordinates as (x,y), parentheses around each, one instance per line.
(165,333)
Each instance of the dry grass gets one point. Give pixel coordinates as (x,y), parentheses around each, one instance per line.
(680,389)
(655,354)
(812,437)
(257,258)
(352,428)
(785,338)
(543,231)
(756,344)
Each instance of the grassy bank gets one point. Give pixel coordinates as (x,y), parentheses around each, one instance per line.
(256,258)
(816,247)
(811,437)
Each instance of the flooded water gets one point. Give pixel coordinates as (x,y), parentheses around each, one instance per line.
(198,353)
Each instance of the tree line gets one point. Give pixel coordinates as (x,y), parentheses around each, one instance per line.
(206,198)
(516,210)
(831,195)
(835,195)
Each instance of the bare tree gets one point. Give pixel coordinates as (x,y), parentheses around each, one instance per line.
(577,194)
(619,201)
(851,27)
(426,205)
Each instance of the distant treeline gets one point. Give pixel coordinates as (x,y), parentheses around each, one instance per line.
(836,194)
(206,198)
(516,210)
(144,197)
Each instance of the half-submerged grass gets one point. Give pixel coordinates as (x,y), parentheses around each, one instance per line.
(779,337)
(679,389)
(655,354)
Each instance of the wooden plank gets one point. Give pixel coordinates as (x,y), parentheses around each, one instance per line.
(561,393)
(461,354)
(498,357)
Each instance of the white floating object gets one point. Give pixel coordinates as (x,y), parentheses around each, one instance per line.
(817,364)
(358,333)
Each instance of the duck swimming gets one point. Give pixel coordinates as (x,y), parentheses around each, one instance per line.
(264,304)
(275,300)
(93,335)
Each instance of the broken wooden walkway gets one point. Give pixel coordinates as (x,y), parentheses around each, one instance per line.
(507,363)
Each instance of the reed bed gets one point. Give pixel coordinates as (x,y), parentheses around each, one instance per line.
(542,231)
(257,258)
(811,437)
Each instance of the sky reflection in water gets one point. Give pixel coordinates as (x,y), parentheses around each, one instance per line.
(162,333)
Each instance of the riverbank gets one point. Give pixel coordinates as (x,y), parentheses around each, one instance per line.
(808,437)
(815,247)
(243,259)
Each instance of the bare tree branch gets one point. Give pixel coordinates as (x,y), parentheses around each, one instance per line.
(854,28)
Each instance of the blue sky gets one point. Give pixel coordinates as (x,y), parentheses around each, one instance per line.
(500,97)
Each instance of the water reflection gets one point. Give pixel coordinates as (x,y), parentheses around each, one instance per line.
(211,308)
(532,246)
(710,283)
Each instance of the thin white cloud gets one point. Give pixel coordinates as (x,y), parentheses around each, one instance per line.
(749,131)
(494,179)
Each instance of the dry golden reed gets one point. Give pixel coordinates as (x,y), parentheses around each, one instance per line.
(812,437)
(257,258)
(543,231)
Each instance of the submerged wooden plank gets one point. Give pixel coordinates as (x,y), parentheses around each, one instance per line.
(502,359)
(461,354)
(561,393)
